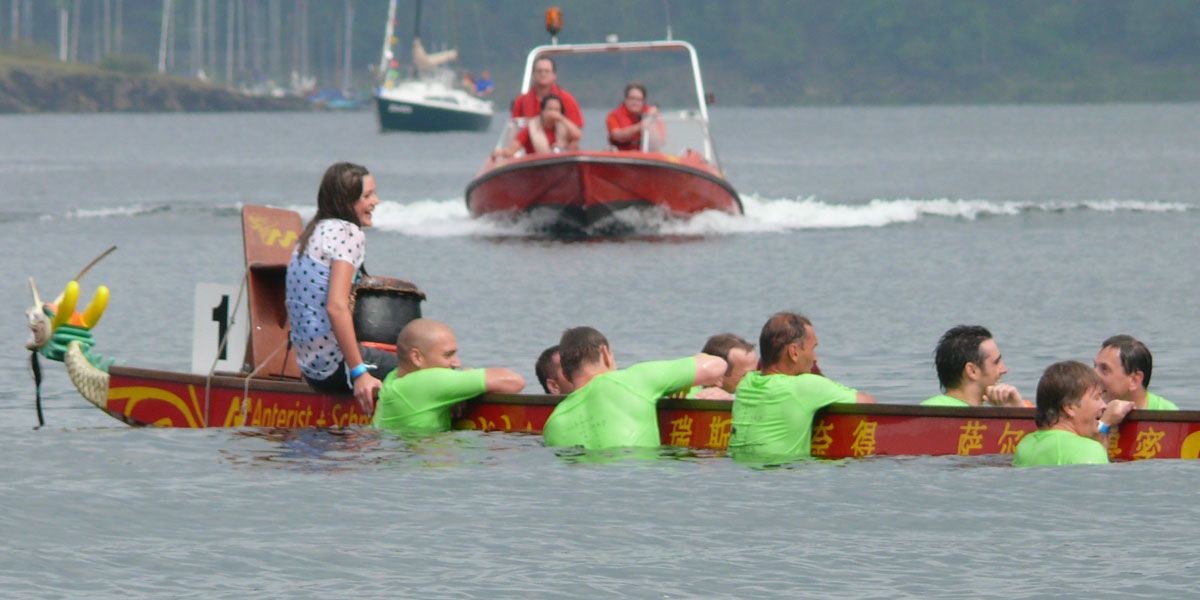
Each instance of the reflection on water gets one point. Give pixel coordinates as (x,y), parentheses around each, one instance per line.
(354,448)
(578,455)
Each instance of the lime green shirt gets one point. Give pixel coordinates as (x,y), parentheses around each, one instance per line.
(772,414)
(1156,402)
(1058,447)
(618,408)
(421,400)
(943,400)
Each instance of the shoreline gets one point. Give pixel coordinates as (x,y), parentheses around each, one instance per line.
(30,85)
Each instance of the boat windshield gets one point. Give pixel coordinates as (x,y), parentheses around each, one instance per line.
(596,75)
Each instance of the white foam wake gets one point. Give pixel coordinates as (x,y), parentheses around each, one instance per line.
(131,210)
(783,214)
(449,218)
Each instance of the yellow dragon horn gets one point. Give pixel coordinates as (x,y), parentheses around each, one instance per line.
(95,308)
(66,305)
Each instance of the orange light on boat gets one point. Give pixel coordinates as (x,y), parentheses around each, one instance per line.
(553,20)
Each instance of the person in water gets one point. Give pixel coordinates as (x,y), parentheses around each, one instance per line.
(427,383)
(549,372)
(740,358)
(1073,422)
(738,354)
(1124,365)
(627,121)
(545,83)
(550,132)
(969,367)
(320,275)
(773,409)
(612,408)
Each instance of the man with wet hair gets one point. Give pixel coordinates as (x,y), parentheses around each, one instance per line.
(969,368)
(549,372)
(611,408)
(773,408)
(1072,419)
(1124,365)
(427,381)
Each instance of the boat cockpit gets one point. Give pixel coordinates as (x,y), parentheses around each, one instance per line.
(591,72)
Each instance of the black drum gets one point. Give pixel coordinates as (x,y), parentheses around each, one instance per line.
(382,306)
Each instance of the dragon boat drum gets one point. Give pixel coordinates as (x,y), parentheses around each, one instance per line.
(382,306)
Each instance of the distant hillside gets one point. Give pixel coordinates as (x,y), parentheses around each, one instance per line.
(753,51)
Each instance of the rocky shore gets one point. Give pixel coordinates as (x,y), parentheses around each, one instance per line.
(34,87)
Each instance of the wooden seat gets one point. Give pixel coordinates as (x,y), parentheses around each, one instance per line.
(268,236)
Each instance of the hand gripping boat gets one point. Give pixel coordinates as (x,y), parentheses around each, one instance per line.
(267,391)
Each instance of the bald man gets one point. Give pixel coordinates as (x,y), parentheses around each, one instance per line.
(420,393)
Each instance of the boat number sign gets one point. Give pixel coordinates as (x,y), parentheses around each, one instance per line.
(216,318)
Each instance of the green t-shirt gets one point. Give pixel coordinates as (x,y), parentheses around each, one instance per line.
(421,400)
(1058,447)
(1156,402)
(772,414)
(618,408)
(943,400)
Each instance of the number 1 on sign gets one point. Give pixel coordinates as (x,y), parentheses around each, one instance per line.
(214,319)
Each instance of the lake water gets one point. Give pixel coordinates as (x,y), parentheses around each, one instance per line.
(1054,226)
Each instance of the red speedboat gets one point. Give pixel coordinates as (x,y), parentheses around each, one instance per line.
(675,174)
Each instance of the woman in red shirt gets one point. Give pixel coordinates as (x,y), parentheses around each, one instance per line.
(627,121)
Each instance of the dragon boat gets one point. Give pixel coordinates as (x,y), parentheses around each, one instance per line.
(675,172)
(267,390)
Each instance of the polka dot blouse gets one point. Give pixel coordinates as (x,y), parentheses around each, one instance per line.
(312,336)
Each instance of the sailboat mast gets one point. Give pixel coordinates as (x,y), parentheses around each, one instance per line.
(348,45)
(385,56)
(417,23)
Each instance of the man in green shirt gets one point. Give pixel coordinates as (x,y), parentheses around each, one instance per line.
(426,384)
(612,408)
(1072,419)
(773,409)
(1124,365)
(969,368)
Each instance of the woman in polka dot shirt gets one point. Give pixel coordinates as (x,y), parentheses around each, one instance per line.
(320,275)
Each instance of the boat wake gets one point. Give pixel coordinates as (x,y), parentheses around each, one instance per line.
(449,218)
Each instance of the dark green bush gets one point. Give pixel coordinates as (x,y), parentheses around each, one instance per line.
(129,64)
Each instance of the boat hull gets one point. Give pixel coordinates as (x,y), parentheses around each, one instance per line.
(580,191)
(399,115)
(168,399)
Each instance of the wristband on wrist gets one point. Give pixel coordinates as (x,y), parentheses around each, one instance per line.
(358,371)
(1105,428)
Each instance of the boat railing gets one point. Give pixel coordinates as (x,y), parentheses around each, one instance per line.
(680,133)
(509,134)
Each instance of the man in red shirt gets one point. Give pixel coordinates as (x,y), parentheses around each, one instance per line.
(545,78)
(627,121)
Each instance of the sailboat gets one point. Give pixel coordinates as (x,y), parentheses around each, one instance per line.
(427,99)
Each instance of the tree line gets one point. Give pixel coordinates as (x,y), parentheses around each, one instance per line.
(752,51)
